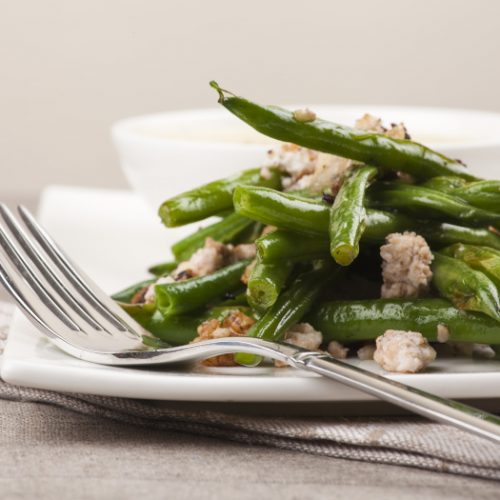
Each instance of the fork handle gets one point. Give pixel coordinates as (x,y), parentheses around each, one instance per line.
(428,405)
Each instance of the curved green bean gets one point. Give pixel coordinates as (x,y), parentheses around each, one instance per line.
(191,294)
(348,214)
(359,320)
(464,287)
(225,231)
(320,135)
(213,198)
(266,282)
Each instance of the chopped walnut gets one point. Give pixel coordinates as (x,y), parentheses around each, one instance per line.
(235,324)
(243,251)
(304,115)
(268,229)
(302,335)
(406,264)
(366,352)
(471,349)
(248,272)
(337,350)
(403,352)
(370,123)
(443,334)
(206,260)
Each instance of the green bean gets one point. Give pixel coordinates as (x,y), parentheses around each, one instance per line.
(211,198)
(484,259)
(464,287)
(482,194)
(266,282)
(128,293)
(309,216)
(188,295)
(447,234)
(320,135)
(163,268)
(445,183)
(289,309)
(174,330)
(360,320)
(426,202)
(282,245)
(348,214)
(224,231)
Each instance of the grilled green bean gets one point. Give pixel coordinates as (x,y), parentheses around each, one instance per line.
(188,295)
(464,287)
(425,202)
(266,282)
(320,135)
(347,216)
(358,320)
(224,231)
(484,259)
(212,198)
(289,309)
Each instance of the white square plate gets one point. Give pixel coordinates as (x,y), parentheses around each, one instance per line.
(114,236)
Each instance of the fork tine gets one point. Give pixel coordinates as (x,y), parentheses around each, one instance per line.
(11,255)
(51,278)
(24,304)
(82,283)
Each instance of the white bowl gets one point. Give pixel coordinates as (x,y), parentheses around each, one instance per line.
(164,154)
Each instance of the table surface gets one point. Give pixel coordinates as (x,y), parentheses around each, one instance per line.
(49,452)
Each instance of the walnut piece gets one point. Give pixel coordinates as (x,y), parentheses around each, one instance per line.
(235,324)
(406,264)
(403,352)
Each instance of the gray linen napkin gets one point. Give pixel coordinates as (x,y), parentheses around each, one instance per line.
(405,441)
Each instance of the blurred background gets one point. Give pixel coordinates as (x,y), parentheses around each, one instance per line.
(69,69)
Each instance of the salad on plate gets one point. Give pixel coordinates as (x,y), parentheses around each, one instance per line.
(353,240)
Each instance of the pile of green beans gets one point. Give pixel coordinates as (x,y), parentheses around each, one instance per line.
(319,243)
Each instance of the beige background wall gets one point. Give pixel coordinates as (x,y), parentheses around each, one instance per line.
(69,68)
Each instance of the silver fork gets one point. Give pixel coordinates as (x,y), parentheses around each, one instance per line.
(79,318)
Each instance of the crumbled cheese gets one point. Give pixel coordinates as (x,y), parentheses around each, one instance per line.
(443,334)
(366,352)
(302,335)
(304,115)
(235,324)
(406,267)
(337,350)
(403,352)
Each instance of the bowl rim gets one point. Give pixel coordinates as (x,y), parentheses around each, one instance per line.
(125,129)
